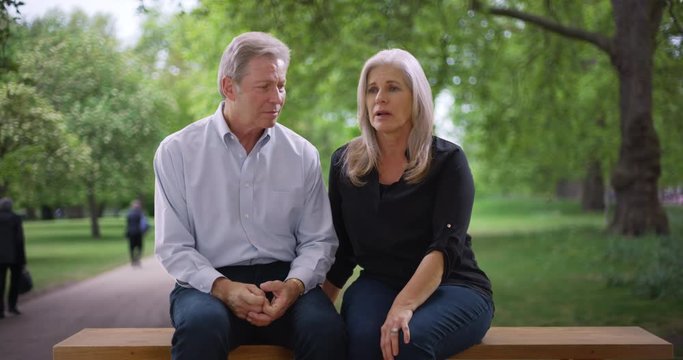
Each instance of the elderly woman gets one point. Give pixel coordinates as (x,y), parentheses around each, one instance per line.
(401,203)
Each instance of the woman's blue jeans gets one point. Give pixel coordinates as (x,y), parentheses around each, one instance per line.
(206,329)
(450,321)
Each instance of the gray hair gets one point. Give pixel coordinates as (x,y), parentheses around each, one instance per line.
(362,154)
(5,204)
(245,47)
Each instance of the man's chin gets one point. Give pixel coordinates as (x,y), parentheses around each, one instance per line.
(271,122)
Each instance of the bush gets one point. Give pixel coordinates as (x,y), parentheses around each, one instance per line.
(651,265)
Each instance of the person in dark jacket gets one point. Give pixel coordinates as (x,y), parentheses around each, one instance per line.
(401,202)
(136,226)
(12,255)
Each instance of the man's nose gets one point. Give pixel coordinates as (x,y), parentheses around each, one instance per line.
(277,96)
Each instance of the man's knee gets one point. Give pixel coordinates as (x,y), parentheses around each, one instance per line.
(203,320)
(322,323)
(199,313)
(201,334)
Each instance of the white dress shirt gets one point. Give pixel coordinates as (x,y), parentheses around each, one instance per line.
(216,205)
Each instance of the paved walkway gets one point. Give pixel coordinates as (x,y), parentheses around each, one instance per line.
(124,297)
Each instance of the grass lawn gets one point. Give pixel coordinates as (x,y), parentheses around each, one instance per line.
(553,265)
(550,264)
(61,251)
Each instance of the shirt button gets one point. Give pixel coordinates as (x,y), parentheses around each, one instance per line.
(448,226)
(246,185)
(246,216)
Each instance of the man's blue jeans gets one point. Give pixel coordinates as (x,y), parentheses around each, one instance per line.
(450,321)
(206,329)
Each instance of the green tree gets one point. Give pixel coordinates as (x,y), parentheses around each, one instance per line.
(631,51)
(74,62)
(36,152)
(7,22)
(537,109)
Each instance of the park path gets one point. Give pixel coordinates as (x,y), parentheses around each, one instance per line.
(124,297)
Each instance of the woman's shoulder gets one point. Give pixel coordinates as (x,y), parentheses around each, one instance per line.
(443,148)
(338,155)
(340,151)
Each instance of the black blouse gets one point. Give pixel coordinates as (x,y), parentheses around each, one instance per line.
(388,229)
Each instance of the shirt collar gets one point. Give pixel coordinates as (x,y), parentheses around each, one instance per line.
(223,130)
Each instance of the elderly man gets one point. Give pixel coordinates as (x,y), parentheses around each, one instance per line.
(12,255)
(243,221)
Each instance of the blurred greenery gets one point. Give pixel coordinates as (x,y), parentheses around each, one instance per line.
(553,265)
(81,116)
(532,109)
(60,252)
(549,262)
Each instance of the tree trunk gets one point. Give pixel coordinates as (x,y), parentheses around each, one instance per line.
(635,177)
(31,213)
(46,212)
(593,189)
(93,210)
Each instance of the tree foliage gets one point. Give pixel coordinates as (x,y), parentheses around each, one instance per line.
(535,108)
(82,84)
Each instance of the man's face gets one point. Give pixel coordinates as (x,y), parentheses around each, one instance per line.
(261,93)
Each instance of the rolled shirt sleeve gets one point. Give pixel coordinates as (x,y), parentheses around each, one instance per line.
(452,210)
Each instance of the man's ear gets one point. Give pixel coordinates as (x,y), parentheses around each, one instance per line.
(229,88)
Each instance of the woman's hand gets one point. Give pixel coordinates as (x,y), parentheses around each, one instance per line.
(397,321)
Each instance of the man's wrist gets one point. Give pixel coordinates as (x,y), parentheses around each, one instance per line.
(216,283)
(299,284)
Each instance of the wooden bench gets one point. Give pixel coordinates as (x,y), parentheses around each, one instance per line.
(499,343)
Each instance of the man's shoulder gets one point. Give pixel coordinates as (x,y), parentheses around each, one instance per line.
(187,135)
(287,136)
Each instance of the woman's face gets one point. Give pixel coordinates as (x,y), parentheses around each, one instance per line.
(389,100)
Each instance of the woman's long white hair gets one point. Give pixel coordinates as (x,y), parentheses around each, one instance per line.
(363,154)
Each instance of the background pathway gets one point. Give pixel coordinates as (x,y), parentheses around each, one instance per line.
(124,297)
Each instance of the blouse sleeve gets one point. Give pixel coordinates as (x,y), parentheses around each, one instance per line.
(344,262)
(452,209)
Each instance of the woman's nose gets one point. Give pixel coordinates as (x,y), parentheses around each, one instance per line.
(380,98)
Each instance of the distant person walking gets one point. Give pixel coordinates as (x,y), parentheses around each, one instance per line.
(136,226)
(12,255)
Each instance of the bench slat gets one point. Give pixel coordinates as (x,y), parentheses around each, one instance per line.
(143,343)
(500,343)
(569,343)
